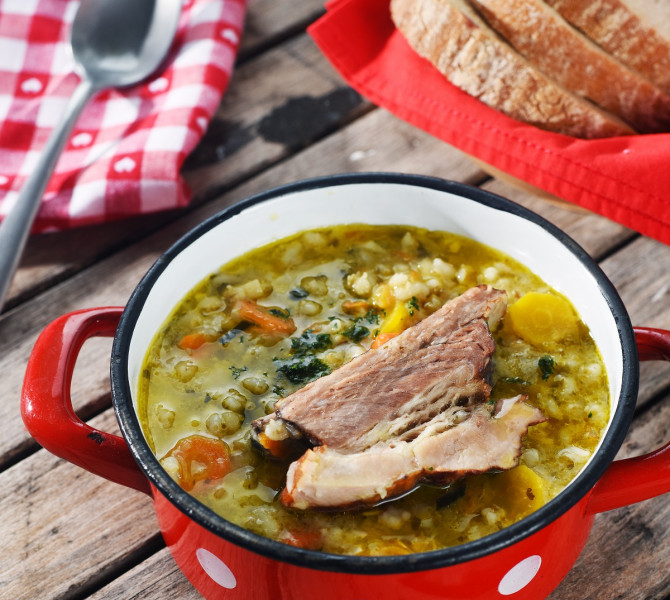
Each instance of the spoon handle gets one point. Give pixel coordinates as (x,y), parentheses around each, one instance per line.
(15,227)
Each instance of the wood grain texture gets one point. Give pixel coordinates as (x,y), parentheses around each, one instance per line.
(269,21)
(276,105)
(69,529)
(143,583)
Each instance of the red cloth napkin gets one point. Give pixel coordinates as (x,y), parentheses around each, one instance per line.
(125,153)
(626,179)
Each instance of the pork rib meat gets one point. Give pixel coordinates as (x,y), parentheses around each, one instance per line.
(416,409)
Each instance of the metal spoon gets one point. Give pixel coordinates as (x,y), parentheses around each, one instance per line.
(115,43)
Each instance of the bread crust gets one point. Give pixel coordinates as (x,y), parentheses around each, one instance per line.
(632,31)
(555,47)
(474,58)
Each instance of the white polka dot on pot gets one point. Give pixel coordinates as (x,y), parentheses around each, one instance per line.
(216,568)
(520,575)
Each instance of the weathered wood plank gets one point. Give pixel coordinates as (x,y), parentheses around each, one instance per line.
(68,528)
(640,274)
(268,21)
(156,577)
(275,105)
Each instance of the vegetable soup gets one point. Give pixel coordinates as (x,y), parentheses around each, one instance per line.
(280,316)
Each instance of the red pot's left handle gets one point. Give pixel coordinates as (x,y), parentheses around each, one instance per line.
(46,405)
(643,477)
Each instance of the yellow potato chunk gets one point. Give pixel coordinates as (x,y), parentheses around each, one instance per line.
(518,492)
(543,319)
(397,320)
(521,491)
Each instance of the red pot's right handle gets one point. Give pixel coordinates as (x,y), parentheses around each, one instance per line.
(635,479)
(46,405)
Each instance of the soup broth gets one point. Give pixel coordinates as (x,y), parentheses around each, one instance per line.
(282,315)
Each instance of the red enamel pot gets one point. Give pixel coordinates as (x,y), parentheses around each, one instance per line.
(524,561)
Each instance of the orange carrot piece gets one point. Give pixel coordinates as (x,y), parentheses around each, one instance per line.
(275,448)
(381,339)
(309,539)
(214,454)
(192,341)
(356,307)
(261,316)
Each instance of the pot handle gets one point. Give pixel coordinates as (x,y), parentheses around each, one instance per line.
(46,404)
(643,477)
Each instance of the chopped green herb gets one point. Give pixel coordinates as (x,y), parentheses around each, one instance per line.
(412,306)
(237,371)
(356,332)
(208,398)
(278,312)
(280,391)
(301,369)
(546,364)
(372,317)
(590,415)
(310,342)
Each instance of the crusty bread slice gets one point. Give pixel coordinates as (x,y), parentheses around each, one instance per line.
(452,36)
(636,32)
(558,49)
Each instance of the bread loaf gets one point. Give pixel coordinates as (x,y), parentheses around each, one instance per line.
(558,49)
(473,57)
(636,32)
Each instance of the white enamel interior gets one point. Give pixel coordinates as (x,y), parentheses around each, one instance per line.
(382,203)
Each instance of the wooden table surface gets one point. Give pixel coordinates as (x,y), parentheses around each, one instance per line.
(287,115)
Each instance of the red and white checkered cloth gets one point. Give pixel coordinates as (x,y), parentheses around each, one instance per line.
(125,153)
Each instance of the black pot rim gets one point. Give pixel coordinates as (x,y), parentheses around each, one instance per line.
(205,517)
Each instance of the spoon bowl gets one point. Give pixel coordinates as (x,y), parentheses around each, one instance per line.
(115,43)
(122,42)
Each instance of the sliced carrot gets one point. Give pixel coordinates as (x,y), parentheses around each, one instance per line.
(309,539)
(192,341)
(212,456)
(261,316)
(356,307)
(381,339)
(276,448)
